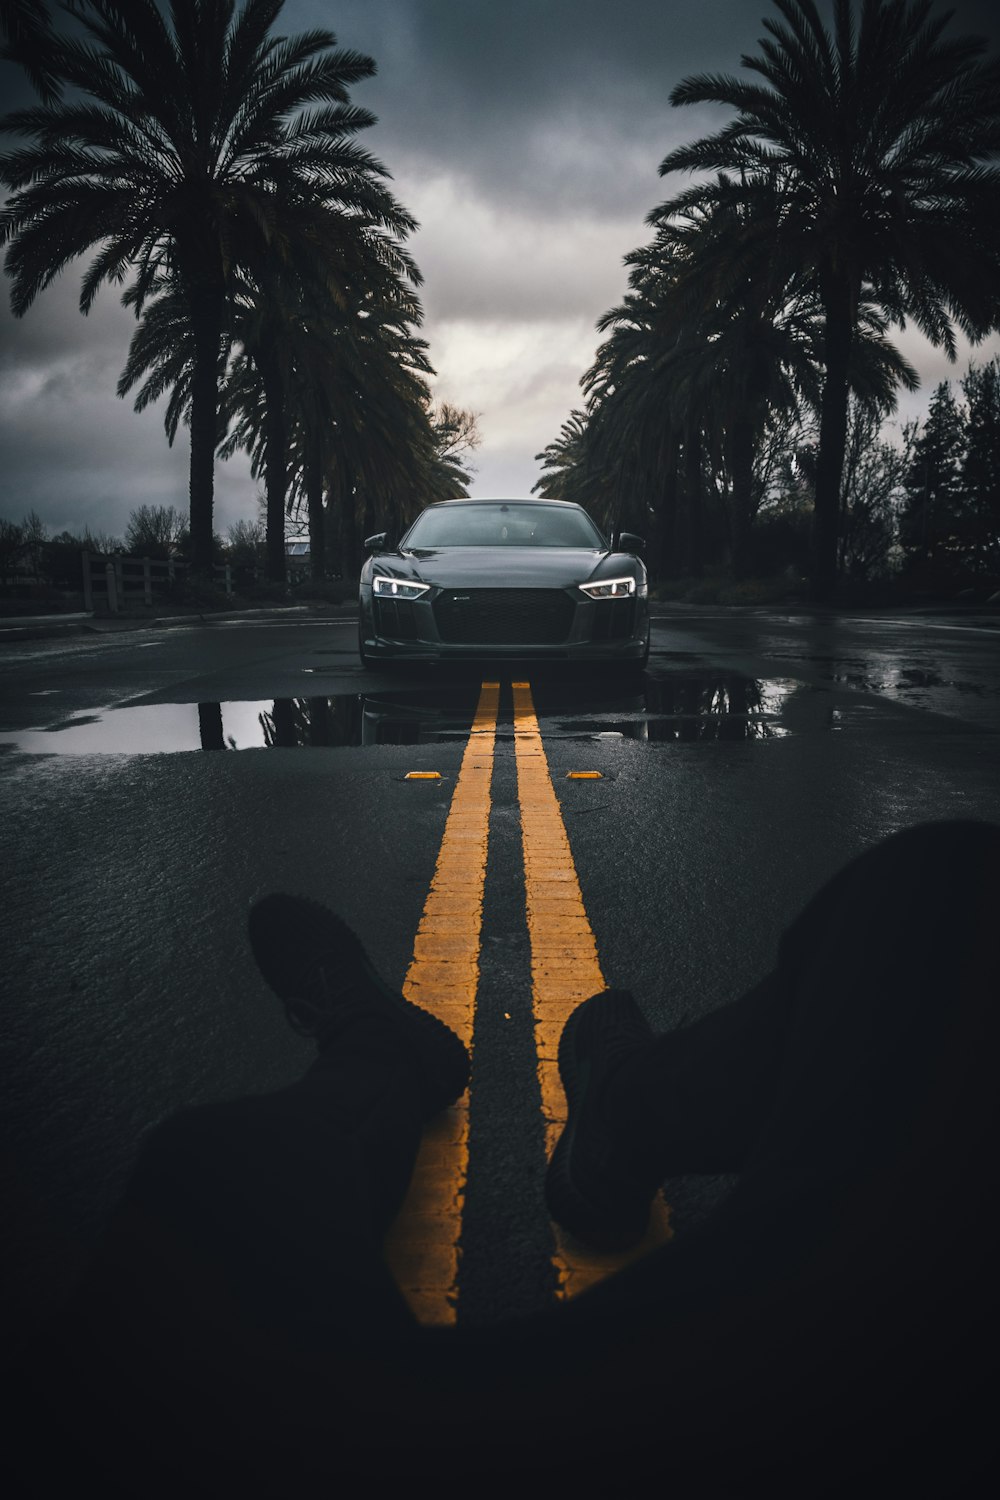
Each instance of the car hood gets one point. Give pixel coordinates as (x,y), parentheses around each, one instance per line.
(500,567)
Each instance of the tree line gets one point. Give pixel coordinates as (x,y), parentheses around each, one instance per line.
(32,555)
(211,167)
(920,510)
(749,368)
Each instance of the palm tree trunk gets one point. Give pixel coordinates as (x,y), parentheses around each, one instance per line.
(319,721)
(210,726)
(838,306)
(206,325)
(283,714)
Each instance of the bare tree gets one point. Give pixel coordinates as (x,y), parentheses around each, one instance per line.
(153,531)
(11,546)
(456,434)
(245,545)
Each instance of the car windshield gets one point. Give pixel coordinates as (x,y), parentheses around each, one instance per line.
(504,524)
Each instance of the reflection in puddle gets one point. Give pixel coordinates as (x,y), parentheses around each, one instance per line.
(672,708)
(282,723)
(723,708)
(148,729)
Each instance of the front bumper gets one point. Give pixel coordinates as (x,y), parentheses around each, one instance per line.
(536,625)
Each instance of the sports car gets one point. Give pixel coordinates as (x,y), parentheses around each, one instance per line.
(475,579)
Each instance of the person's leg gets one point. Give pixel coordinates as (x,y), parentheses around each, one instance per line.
(263,1217)
(893,1025)
(701,1096)
(266,1214)
(841,1302)
(822,1064)
(248,1246)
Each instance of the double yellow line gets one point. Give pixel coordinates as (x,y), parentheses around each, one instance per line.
(444,974)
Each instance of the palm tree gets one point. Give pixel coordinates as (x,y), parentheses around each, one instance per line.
(737,344)
(299,320)
(564,462)
(710,360)
(702,360)
(749,341)
(195,140)
(883,136)
(24,29)
(386,456)
(329,397)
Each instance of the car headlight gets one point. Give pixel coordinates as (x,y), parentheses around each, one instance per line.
(397,588)
(609,588)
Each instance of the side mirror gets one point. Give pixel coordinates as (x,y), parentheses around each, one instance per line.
(627,541)
(377,543)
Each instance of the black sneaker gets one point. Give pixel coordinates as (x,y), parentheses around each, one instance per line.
(597,1187)
(319,970)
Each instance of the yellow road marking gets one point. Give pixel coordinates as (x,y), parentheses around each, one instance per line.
(422,1248)
(564,967)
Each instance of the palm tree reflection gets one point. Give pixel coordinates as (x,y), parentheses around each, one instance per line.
(722,707)
(210,726)
(313,721)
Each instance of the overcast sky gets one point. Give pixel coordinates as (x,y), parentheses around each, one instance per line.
(525,136)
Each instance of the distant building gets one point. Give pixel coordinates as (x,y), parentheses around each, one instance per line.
(297,560)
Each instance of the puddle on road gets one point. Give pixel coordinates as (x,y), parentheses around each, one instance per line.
(678,707)
(282,723)
(694,708)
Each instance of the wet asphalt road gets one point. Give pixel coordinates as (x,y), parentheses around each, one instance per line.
(758,753)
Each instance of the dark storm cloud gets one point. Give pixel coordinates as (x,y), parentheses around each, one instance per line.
(525,135)
(73,451)
(54,327)
(556,104)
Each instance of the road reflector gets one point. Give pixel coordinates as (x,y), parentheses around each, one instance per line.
(422,776)
(583,775)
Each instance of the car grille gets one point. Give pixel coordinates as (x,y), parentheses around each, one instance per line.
(394,619)
(504,617)
(614,620)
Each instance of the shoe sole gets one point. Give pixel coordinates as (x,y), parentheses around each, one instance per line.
(442,1053)
(568,1205)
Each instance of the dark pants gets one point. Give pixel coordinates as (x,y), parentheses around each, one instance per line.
(826,1322)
